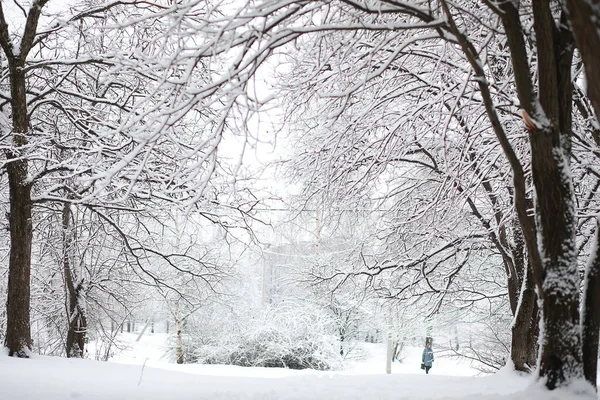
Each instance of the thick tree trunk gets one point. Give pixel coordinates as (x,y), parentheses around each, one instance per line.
(590,318)
(560,353)
(18,326)
(18,332)
(584,19)
(551,243)
(77,319)
(560,350)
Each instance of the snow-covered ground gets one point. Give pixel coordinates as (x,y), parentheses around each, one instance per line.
(143,373)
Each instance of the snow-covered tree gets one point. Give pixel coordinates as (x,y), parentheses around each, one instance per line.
(468,33)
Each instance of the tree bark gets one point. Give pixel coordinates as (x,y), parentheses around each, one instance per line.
(18,325)
(584,19)
(18,328)
(76,311)
(590,318)
(553,255)
(18,332)
(526,317)
(525,326)
(179,344)
(560,351)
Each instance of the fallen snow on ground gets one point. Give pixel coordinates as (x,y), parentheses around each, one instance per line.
(151,350)
(143,373)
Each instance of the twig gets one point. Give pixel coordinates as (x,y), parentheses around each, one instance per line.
(142,373)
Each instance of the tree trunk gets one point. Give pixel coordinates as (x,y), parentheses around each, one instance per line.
(584,19)
(526,319)
(525,326)
(18,325)
(76,316)
(388,355)
(553,255)
(179,345)
(590,318)
(551,243)
(560,350)
(515,270)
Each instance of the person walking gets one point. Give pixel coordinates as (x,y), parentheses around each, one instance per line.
(427,360)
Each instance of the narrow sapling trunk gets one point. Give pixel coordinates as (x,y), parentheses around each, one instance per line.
(76,311)
(526,319)
(524,329)
(179,344)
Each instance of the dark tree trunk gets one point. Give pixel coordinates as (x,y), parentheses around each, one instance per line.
(553,256)
(560,351)
(584,19)
(590,318)
(551,244)
(18,329)
(525,326)
(526,319)
(18,332)
(18,326)
(77,319)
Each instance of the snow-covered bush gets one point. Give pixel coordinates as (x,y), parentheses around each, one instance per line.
(273,348)
(285,336)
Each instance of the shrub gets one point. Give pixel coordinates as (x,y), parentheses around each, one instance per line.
(285,338)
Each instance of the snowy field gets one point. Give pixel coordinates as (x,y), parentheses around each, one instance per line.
(142,373)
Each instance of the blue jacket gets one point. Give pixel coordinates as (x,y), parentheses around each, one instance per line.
(427,357)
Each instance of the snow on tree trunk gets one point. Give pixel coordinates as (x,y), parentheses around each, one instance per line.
(524,329)
(560,346)
(590,318)
(76,312)
(179,344)
(18,332)
(18,325)
(560,360)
